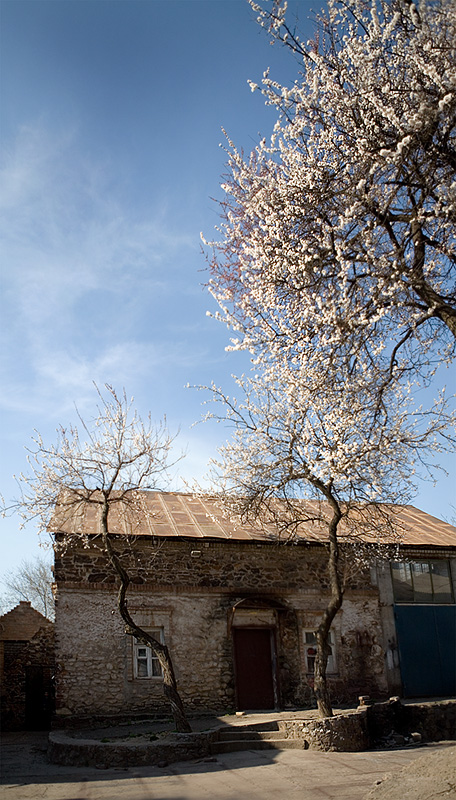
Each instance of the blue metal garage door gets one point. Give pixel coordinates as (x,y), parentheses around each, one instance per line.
(427,649)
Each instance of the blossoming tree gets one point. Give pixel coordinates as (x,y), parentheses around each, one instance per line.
(335,267)
(106,465)
(317,431)
(346,216)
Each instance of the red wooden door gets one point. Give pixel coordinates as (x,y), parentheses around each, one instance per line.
(254,668)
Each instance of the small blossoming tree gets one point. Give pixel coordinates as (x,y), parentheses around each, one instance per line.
(106,464)
(335,268)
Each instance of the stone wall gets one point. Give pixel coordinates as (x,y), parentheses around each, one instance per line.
(239,565)
(96,660)
(190,590)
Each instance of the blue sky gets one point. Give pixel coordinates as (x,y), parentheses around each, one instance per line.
(110,130)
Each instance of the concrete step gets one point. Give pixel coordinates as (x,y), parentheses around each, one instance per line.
(232,734)
(271,725)
(230,746)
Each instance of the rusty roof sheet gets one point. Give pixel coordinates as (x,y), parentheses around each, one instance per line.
(173,515)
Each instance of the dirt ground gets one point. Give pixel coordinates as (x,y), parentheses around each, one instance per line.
(432,776)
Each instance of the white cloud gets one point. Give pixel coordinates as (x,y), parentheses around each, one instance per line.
(61,377)
(80,270)
(66,233)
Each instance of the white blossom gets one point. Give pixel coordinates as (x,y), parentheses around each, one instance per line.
(335,266)
(111,459)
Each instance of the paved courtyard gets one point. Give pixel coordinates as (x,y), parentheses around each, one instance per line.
(249,775)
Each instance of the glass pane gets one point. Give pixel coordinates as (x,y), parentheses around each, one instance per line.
(422,585)
(142,668)
(156,670)
(441,581)
(310,637)
(142,652)
(402,582)
(310,663)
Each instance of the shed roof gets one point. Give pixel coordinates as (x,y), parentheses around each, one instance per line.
(174,515)
(21,622)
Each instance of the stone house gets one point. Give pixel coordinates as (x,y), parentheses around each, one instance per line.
(238,610)
(27,668)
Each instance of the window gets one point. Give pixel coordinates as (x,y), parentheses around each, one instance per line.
(422,582)
(146,664)
(311,651)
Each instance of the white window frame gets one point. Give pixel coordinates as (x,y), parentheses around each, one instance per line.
(144,657)
(310,644)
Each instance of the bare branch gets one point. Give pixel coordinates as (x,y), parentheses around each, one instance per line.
(109,463)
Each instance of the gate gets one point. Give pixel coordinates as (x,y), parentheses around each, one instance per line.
(427,649)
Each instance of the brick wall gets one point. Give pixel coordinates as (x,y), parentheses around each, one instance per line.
(27,704)
(21,623)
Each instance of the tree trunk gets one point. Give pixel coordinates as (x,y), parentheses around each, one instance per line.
(132,629)
(164,658)
(322,633)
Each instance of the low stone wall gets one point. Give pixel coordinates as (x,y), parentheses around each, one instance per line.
(353,731)
(66,750)
(341,733)
(344,732)
(433,720)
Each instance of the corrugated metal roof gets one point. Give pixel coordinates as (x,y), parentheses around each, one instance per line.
(173,515)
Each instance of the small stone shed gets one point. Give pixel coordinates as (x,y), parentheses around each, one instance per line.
(27,667)
(238,610)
